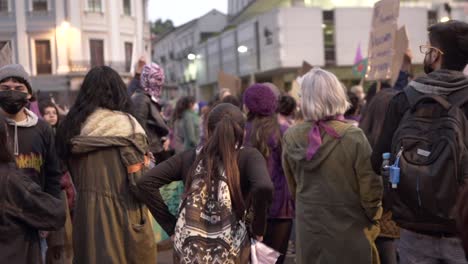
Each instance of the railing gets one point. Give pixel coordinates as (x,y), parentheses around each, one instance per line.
(84,66)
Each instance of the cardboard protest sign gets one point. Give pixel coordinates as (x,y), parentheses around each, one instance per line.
(296,86)
(382,39)
(231,82)
(5,55)
(306,67)
(401,46)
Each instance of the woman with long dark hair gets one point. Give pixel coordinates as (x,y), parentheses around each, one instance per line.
(222,181)
(25,209)
(104,147)
(186,125)
(264,133)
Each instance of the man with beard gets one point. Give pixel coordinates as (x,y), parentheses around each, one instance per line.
(420,200)
(31,138)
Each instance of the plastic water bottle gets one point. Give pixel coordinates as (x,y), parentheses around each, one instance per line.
(385,169)
(395,170)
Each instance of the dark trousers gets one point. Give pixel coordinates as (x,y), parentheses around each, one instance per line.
(277,236)
(387,250)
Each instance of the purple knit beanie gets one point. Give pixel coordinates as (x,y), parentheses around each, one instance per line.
(260,100)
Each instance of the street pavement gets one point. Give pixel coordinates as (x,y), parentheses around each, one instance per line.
(165,257)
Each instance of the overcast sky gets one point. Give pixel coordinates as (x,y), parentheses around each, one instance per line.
(181,11)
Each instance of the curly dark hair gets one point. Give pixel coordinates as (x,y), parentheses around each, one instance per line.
(102,88)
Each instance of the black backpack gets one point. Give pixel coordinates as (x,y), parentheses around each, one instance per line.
(430,141)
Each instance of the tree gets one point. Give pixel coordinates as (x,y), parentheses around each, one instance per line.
(160,27)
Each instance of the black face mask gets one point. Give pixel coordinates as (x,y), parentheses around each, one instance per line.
(13,101)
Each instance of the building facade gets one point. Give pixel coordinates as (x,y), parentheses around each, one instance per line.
(268,40)
(58,41)
(176,50)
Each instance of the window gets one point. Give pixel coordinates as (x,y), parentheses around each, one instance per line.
(128,56)
(96,51)
(127,7)
(3,5)
(95,5)
(39,5)
(329,37)
(43,57)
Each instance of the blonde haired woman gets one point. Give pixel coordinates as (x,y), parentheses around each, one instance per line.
(327,163)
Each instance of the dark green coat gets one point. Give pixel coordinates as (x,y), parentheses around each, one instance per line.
(338,196)
(110,226)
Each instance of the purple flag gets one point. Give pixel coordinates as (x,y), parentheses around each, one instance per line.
(358,58)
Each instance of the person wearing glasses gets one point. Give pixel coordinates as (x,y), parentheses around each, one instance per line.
(427,237)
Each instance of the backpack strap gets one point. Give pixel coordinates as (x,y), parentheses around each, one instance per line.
(415,98)
(459,98)
(412,95)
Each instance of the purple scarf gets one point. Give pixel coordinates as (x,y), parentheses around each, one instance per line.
(315,139)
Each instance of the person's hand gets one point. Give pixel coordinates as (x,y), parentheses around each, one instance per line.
(407,61)
(166,144)
(43,234)
(259,238)
(140,65)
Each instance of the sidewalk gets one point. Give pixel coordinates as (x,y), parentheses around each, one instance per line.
(165,257)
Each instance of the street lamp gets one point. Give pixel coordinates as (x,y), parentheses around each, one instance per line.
(65,25)
(444,19)
(191,56)
(242,49)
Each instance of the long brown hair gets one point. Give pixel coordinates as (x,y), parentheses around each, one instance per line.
(262,130)
(225,137)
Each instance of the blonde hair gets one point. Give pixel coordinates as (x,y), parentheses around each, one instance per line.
(322,95)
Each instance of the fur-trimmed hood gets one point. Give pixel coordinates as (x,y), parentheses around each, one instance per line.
(105,128)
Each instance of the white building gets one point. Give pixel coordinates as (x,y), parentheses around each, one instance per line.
(58,41)
(176,50)
(270,39)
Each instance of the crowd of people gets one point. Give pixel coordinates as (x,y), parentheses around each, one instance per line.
(338,176)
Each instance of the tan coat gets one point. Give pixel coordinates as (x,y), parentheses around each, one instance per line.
(109,225)
(338,196)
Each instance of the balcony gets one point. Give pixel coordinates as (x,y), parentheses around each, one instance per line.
(84,66)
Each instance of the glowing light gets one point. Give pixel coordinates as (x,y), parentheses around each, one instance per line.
(242,49)
(65,25)
(198,56)
(191,56)
(444,19)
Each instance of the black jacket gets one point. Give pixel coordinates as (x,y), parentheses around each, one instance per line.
(255,184)
(37,156)
(147,112)
(440,82)
(24,210)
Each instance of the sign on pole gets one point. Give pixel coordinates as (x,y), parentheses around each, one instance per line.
(401,46)
(233,83)
(382,39)
(5,54)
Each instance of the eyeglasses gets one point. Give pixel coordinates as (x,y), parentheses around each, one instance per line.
(425,49)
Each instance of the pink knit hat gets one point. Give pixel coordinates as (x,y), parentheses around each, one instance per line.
(152,79)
